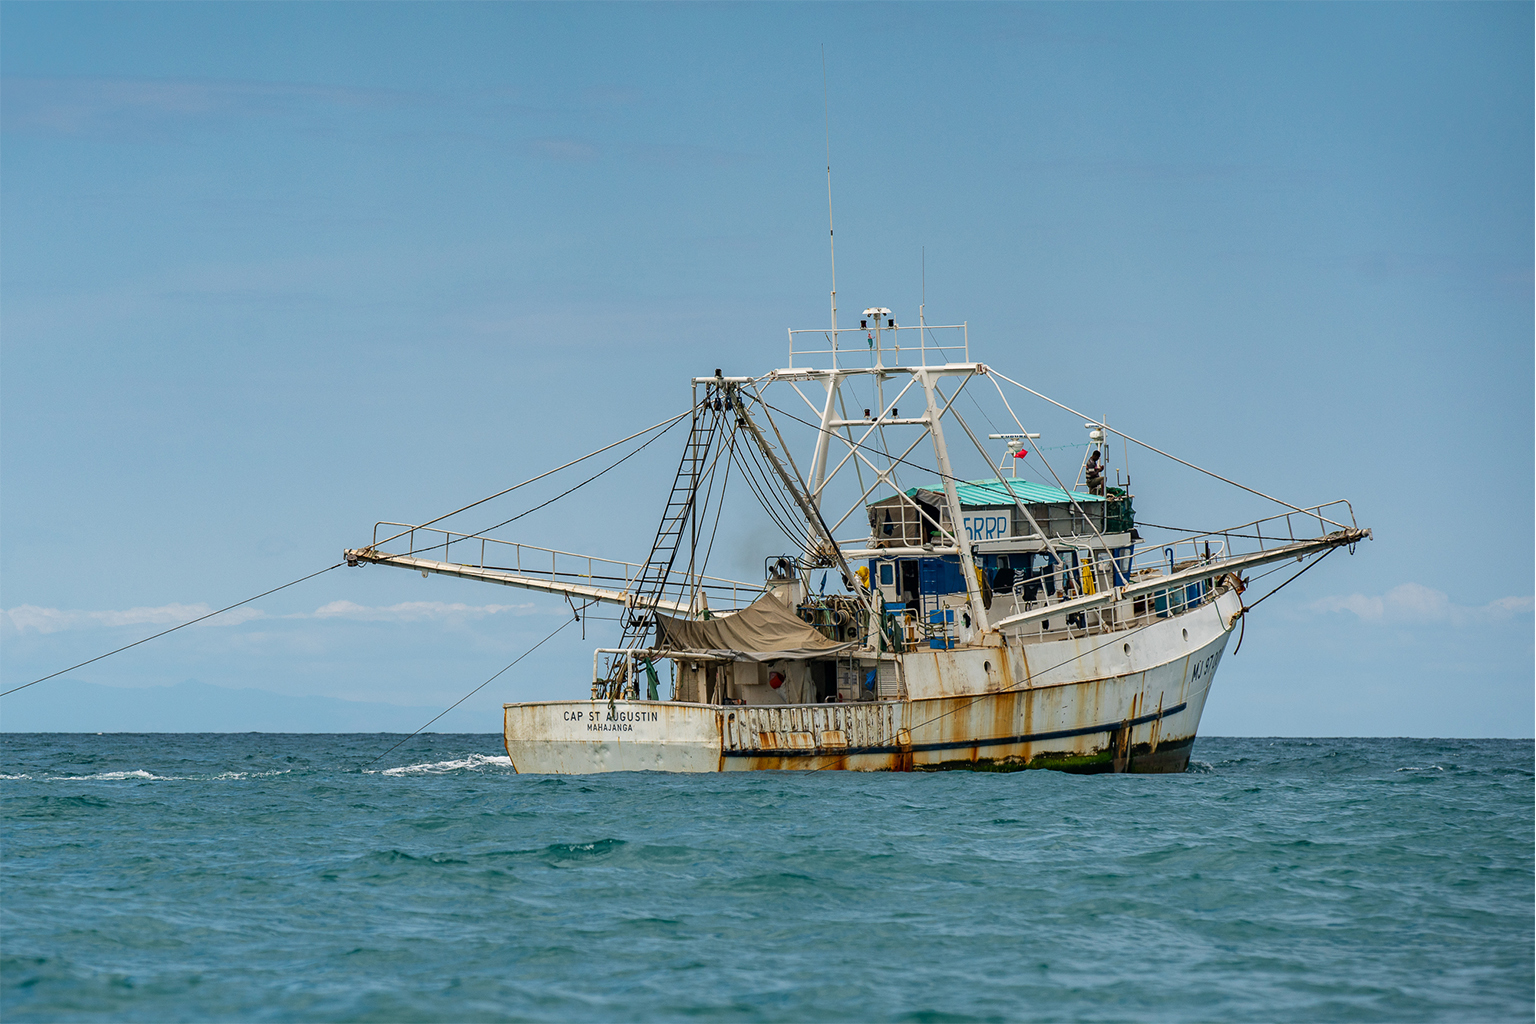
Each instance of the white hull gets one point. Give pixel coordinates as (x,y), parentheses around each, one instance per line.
(1086,704)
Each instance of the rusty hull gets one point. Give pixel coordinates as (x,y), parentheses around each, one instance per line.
(991,709)
(1005,706)
(1105,725)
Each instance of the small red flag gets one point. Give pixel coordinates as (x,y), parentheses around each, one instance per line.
(1020,453)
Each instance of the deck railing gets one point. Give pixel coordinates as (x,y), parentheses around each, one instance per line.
(860,347)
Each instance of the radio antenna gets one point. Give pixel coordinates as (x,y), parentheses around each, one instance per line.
(826,109)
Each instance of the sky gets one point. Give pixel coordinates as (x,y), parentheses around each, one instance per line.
(271,273)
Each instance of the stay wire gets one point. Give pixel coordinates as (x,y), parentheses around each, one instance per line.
(694,569)
(1153,448)
(471,693)
(1250,607)
(1209,533)
(551,501)
(769,497)
(541,476)
(173,629)
(719,508)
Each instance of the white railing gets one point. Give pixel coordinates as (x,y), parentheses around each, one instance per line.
(550,563)
(619,671)
(871,346)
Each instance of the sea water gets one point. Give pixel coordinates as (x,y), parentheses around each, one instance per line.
(294,877)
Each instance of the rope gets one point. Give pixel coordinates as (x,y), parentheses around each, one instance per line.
(471,693)
(584,483)
(1250,607)
(541,476)
(173,629)
(1212,533)
(1159,451)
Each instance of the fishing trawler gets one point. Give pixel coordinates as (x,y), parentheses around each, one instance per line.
(995,623)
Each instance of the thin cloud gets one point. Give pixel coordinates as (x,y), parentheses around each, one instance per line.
(32,618)
(55,620)
(411,611)
(562,149)
(684,156)
(133,109)
(1416,604)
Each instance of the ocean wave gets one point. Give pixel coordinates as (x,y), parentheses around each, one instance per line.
(473,761)
(140,774)
(1423,768)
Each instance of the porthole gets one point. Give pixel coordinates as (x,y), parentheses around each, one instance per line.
(986,666)
(1186,636)
(1127,648)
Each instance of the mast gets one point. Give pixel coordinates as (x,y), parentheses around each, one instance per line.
(956,516)
(826,109)
(824,439)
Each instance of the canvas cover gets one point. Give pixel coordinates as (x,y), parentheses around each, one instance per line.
(765,630)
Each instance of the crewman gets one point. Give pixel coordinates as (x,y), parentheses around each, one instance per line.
(1095,474)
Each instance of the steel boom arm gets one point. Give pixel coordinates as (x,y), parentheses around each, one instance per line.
(1298,550)
(580,591)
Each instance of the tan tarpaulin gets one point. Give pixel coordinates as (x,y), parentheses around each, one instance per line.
(765,630)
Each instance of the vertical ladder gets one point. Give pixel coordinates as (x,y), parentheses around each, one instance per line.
(676,519)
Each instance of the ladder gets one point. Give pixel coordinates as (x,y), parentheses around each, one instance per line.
(676,519)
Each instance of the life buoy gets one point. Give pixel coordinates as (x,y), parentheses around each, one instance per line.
(775,680)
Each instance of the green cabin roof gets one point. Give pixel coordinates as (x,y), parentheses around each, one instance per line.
(988,493)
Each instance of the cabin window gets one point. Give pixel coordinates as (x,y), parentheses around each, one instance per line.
(887,574)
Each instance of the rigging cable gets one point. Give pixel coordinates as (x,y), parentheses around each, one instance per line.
(1197,534)
(1249,607)
(551,501)
(1149,447)
(776,506)
(696,571)
(477,689)
(706,479)
(541,476)
(173,629)
(724,482)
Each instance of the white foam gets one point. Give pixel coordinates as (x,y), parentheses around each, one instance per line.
(3,776)
(438,767)
(114,777)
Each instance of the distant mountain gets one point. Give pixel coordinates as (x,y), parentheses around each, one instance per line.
(69,705)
